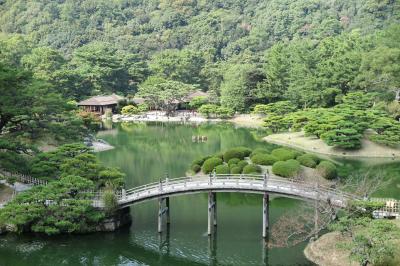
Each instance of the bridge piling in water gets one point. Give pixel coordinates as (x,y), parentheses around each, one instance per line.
(212,212)
(265,215)
(163,211)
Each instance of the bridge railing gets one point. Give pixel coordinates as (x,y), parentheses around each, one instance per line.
(294,184)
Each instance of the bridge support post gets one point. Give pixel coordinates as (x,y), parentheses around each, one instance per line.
(167,210)
(212,217)
(265,214)
(215,208)
(163,211)
(160,214)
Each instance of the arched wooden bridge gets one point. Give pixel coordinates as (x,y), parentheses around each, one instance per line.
(260,184)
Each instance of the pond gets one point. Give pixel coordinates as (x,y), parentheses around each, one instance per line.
(147,152)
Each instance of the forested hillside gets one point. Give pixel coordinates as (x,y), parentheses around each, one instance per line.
(246,52)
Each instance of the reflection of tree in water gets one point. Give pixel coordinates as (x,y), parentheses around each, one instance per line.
(96,249)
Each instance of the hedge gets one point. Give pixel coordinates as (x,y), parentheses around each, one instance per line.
(238,152)
(210,164)
(219,155)
(283,154)
(233,161)
(236,170)
(289,168)
(259,151)
(196,168)
(264,159)
(252,169)
(222,169)
(327,170)
(233,165)
(308,160)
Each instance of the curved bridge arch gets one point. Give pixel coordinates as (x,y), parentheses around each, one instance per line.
(258,184)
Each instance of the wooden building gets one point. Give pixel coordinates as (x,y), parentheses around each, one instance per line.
(100,104)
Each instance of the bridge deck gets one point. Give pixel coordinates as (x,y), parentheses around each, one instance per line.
(237,183)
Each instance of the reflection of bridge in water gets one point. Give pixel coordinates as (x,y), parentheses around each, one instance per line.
(259,184)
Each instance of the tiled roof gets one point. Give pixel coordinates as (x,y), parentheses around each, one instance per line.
(101,100)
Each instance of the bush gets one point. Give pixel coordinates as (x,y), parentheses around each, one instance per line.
(327,170)
(289,168)
(283,154)
(129,110)
(224,112)
(233,165)
(233,161)
(236,170)
(199,161)
(142,107)
(252,169)
(210,164)
(308,160)
(242,164)
(110,201)
(196,168)
(238,152)
(219,155)
(222,169)
(264,159)
(259,151)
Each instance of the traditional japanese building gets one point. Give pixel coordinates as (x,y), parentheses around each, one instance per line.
(100,104)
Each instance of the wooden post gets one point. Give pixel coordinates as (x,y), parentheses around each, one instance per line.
(265,214)
(160,214)
(167,210)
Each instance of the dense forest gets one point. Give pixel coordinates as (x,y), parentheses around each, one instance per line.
(246,52)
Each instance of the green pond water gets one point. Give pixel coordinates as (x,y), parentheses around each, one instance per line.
(146,152)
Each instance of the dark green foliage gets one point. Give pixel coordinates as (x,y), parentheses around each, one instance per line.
(233,161)
(196,168)
(236,170)
(327,170)
(199,161)
(242,164)
(68,213)
(251,169)
(222,169)
(264,159)
(289,168)
(308,160)
(210,164)
(284,154)
(238,152)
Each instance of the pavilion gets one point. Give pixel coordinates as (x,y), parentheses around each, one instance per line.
(101,104)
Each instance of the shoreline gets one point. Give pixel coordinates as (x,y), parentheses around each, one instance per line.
(369,150)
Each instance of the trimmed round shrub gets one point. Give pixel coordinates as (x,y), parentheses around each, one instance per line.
(210,164)
(259,151)
(252,169)
(233,161)
(238,152)
(289,168)
(236,170)
(199,161)
(233,165)
(205,158)
(308,160)
(219,155)
(327,170)
(283,154)
(196,168)
(264,159)
(242,164)
(222,169)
